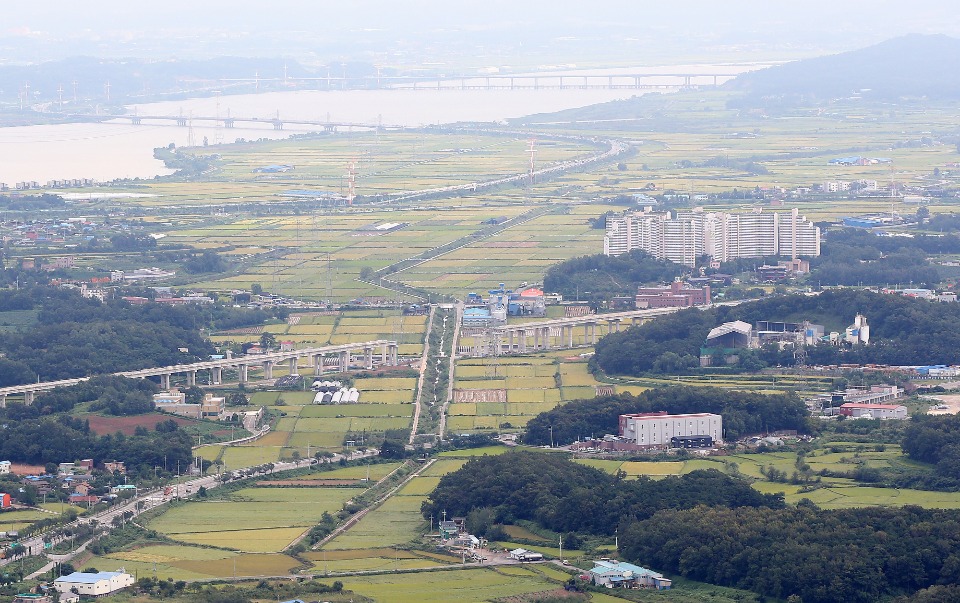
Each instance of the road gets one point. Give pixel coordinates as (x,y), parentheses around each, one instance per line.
(418,403)
(152,499)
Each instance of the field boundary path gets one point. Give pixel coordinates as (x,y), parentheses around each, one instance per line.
(458,317)
(362,513)
(423,372)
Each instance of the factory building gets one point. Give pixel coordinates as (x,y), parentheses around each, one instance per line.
(657,429)
(685,236)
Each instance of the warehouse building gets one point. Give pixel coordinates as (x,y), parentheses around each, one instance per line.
(656,429)
(96,584)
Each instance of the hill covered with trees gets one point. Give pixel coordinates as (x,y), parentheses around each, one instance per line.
(597,278)
(900,332)
(715,528)
(78,337)
(821,556)
(565,496)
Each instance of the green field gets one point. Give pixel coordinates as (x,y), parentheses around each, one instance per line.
(256,520)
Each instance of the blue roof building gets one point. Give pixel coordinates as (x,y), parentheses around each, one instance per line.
(626,575)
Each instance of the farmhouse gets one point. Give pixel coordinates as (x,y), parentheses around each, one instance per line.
(5,467)
(94,584)
(626,575)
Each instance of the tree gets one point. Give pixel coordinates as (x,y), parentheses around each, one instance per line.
(392,449)
(256,288)
(268,340)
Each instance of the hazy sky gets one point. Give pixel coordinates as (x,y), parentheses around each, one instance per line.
(412,30)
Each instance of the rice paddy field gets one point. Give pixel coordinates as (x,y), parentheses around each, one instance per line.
(316,330)
(251,520)
(184,562)
(475,584)
(831,493)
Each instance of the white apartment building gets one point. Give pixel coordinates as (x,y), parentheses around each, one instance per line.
(656,429)
(687,235)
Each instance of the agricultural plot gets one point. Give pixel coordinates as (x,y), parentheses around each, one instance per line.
(240,523)
(507,392)
(395,522)
(514,255)
(455,586)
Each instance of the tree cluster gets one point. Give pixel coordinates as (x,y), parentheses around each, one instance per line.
(564,496)
(77,337)
(859,257)
(597,278)
(935,440)
(110,394)
(858,555)
(743,412)
(65,439)
(900,332)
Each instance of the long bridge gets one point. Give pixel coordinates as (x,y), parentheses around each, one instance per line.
(558,333)
(230,122)
(339,358)
(584,80)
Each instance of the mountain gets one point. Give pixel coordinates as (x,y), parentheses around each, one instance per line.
(909,66)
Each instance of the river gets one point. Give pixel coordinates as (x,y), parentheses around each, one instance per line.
(121,150)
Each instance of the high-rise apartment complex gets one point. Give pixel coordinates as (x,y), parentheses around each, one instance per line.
(686,235)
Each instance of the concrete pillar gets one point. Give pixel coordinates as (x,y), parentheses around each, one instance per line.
(165,382)
(216,375)
(3,401)
(243,373)
(523,340)
(28,398)
(593,331)
(268,369)
(536,339)
(368,358)
(383,354)
(546,338)
(293,366)
(191,378)
(510,339)
(344,361)
(318,365)
(570,336)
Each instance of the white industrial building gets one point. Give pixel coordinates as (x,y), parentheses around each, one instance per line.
(861,410)
(658,428)
(684,236)
(93,584)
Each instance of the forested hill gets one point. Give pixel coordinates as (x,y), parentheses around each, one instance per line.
(597,278)
(903,331)
(77,337)
(557,493)
(911,66)
(715,528)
